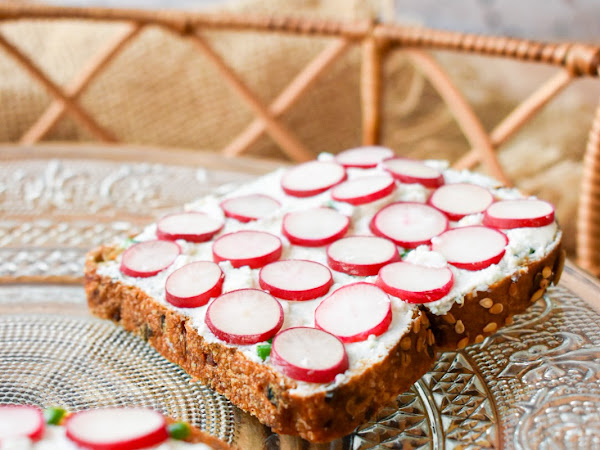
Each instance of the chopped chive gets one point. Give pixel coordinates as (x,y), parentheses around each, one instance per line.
(54,416)
(263,350)
(404,253)
(179,430)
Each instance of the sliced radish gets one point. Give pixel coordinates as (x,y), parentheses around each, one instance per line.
(189,226)
(249,207)
(364,189)
(410,171)
(117,428)
(414,283)
(354,312)
(194,284)
(364,157)
(148,258)
(409,224)
(244,317)
(461,199)
(508,214)
(471,248)
(361,255)
(247,248)
(314,227)
(309,354)
(312,178)
(295,279)
(21,421)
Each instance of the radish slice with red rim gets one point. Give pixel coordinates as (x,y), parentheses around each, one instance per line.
(409,224)
(309,354)
(148,258)
(471,248)
(295,279)
(244,316)
(523,213)
(364,157)
(194,284)
(461,199)
(314,227)
(247,248)
(312,178)
(117,428)
(354,312)
(410,171)
(21,421)
(361,255)
(415,283)
(364,189)
(189,226)
(249,207)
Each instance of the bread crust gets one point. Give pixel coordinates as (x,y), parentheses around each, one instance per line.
(258,388)
(198,436)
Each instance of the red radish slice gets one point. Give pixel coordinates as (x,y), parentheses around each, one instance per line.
(471,248)
(189,226)
(309,354)
(244,317)
(148,258)
(414,283)
(117,428)
(364,157)
(314,227)
(20,421)
(194,284)
(247,248)
(409,224)
(364,190)
(295,279)
(508,214)
(410,171)
(361,255)
(354,312)
(461,199)
(249,207)
(312,178)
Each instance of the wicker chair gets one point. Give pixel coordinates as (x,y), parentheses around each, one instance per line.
(376,42)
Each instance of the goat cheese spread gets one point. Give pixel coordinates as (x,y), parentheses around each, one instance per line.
(525,244)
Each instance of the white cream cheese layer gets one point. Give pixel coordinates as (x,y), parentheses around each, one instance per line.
(54,439)
(360,354)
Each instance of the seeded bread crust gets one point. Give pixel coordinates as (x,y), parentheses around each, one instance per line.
(484,312)
(258,388)
(198,436)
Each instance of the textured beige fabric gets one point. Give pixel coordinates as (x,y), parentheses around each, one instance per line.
(161,91)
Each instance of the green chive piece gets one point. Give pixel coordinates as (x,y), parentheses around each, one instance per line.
(53,416)
(179,430)
(263,350)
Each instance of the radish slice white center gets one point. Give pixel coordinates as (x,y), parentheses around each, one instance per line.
(314,227)
(410,171)
(250,207)
(312,178)
(194,284)
(354,312)
(364,157)
(415,283)
(461,199)
(146,259)
(295,279)
(20,421)
(190,226)
(471,248)
(409,224)
(364,189)
(309,354)
(361,255)
(123,428)
(519,213)
(245,316)
(252,248)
